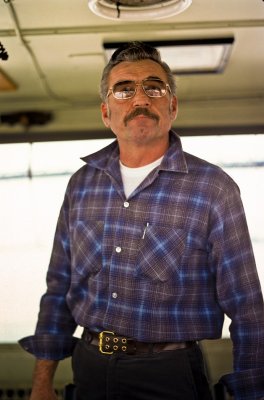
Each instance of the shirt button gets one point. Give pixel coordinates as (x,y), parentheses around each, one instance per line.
(126,204)
(118,249)
(114,295)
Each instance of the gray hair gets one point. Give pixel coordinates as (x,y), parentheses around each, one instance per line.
(134,51)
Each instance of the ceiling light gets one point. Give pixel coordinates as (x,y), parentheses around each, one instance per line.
(191,56)
(137,10)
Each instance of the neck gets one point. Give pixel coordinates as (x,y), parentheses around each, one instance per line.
(138,156)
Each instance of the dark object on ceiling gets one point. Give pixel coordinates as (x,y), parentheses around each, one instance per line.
(27,118)
(3,52)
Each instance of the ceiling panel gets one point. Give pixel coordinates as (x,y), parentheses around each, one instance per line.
(56,58)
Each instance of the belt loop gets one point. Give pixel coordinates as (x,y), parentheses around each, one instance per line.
(87,336)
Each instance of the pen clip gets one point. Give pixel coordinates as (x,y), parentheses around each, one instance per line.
(145,230)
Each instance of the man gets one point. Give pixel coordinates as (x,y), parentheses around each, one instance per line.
(151,250)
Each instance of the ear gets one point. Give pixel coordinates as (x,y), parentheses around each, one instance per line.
(174,108)
(105,114)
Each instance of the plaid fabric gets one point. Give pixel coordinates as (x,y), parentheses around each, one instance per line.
(163,265)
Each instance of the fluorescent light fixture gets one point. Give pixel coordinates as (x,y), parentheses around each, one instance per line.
(137,10)
(6,84)
(192,56)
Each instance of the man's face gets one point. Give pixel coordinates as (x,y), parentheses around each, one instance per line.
(141,119)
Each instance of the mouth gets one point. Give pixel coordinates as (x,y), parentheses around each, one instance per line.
(141,116)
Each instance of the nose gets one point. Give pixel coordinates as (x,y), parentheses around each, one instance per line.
(141,98)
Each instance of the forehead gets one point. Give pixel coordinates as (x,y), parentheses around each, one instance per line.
(136,71)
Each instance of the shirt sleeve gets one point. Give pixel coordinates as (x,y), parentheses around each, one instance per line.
(49,347)
(53,337)
(239,294)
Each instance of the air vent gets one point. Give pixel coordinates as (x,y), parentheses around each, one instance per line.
(137,10)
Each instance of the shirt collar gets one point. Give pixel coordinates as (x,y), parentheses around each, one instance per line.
(108,157)
(174,158)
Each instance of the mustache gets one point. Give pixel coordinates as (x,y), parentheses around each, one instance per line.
(140,111)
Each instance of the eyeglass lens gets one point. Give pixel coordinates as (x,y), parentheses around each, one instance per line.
(127,89)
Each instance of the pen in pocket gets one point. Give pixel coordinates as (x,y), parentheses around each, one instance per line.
(145,230)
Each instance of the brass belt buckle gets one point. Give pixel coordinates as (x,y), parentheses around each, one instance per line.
(103,339)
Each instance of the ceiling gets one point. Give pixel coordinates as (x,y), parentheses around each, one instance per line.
(56,57)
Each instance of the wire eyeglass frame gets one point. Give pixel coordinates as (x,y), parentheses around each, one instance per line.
(162,90)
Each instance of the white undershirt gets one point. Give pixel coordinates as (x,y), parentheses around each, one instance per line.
(132,177)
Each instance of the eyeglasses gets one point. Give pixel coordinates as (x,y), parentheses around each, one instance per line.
(125,90)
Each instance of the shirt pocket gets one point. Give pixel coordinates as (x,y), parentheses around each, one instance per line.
(195,266)
(87,238)
(160,253)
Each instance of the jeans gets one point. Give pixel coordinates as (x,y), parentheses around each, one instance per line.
(168,375)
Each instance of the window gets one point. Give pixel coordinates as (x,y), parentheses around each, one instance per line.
(33,180)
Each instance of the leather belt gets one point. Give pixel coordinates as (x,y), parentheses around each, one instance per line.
(109,343)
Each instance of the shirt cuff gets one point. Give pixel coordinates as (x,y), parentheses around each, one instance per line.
(49,347)
(246,384)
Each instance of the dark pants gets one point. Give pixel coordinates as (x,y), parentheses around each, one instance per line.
(168,375)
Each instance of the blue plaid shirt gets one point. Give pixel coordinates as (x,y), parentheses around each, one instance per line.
(165,264)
